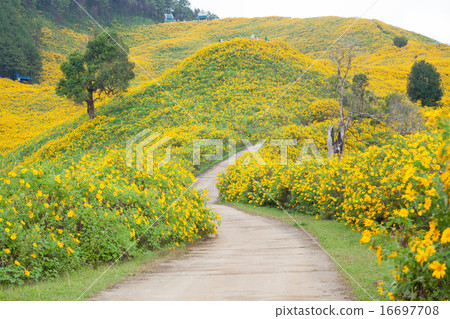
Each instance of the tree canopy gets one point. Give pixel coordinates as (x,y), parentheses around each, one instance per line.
(424,84)
(18,50)
(106,11)
(21,21)
(102,69)
(400,41)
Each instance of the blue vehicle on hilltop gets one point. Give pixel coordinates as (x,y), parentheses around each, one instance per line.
(22,79)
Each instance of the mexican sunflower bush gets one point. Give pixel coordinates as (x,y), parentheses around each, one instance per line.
(55,218)
(395,195)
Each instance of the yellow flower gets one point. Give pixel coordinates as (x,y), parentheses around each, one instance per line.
(7,251)
(421,256)
(445,236)
(439,269)
(405,269)
(380,290)
(34,245)
(410,194)
(69,251)
(393,255)
(14,236)
(71,214)
(27,273)
(17,263)
(33,255)
(60,244)
(430,251)
(427,203)
(58,179)
(365,238)
(7,181)
(7,230)
(402,212)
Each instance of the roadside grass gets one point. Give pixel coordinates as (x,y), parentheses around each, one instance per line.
(342,244)
(71,285)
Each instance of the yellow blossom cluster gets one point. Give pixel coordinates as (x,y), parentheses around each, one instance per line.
(53,216)
(390,191)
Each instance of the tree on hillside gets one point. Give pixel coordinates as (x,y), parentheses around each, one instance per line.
(102,69)
(360,83)
(424,84)
(400,42)
(342,56)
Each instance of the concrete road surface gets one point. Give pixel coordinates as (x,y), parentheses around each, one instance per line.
(251,258)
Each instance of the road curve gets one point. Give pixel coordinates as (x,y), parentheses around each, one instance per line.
(251,258)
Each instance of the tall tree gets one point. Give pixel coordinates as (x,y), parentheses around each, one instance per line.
(342,56)
(424,84)
(102,69)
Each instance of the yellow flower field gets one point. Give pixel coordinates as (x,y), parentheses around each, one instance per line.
(67,198)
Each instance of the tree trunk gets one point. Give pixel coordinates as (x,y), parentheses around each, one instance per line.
(341,139)
(336,146)
(330,140)
(90,101)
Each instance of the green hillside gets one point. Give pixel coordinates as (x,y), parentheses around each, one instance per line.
(223,88)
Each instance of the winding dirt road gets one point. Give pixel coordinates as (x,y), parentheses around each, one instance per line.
(251,258)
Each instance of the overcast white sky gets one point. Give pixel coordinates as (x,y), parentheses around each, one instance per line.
(427,17)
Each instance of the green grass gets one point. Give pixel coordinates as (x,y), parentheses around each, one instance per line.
(71,285)
(342,244)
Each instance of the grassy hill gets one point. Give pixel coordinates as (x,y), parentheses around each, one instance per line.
(223,88)
(160,47)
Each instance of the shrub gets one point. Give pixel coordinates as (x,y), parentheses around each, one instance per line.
(54,219)
(403,116)
(400,41)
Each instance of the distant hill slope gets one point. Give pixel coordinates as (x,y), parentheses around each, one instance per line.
(160,48)
(223,88)
(29,110)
